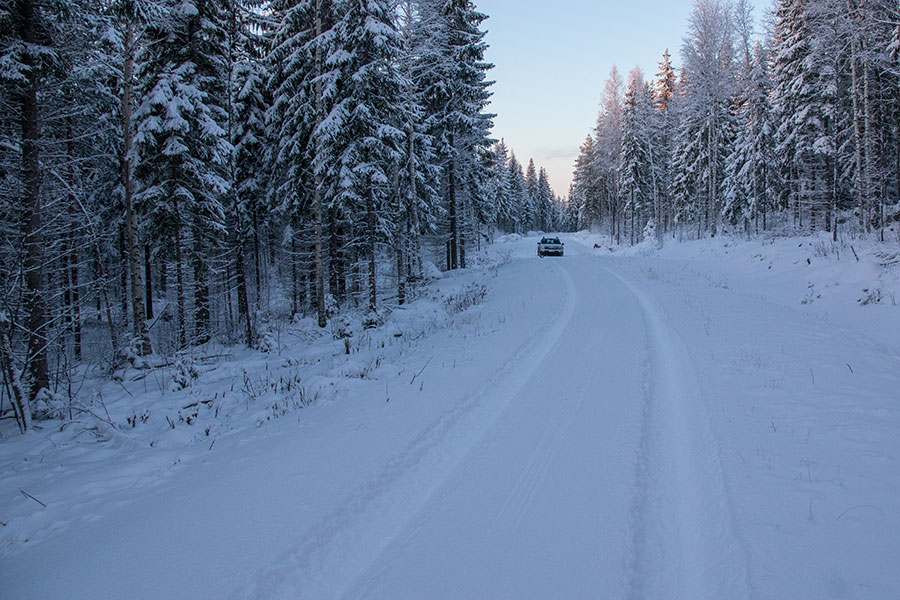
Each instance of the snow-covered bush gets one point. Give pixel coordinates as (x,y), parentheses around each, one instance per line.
(470,296)
(184,373)
(266,341)
(49,405)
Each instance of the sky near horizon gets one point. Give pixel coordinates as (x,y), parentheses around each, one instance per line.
(552,59)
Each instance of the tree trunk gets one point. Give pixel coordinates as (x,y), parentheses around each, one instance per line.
(31,175)
(243,301)
(295,272)
(202,316)
(317,199)
(123,275)
(370,245)
(74,295)
(454,226)
(257,259)
(179,280)
(861,190)
(138,311)
(21,407)
(399,236)
(148,282)
(871,188)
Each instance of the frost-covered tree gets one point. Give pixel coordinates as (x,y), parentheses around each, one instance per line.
(504,218)
(664,90)
(517,192)
(705,129)
(456,94)
(363,128)
(585,195)
(751,180)
(640,160)
(530,210)
(544,200)
(183,148)
(608,138)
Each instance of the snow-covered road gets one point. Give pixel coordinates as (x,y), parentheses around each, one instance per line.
(599,479)
(600,428)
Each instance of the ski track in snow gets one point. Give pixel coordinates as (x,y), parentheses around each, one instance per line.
(686,543)
(363,523)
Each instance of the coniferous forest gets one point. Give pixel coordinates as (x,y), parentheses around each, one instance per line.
(177,172)
(789,122)
(180,171)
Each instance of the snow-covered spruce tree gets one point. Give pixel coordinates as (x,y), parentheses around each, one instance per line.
(248,169)
(804,94)
(545,202)
(504,218)
(531,213)
(873,88)
(608,153)
(709,87)
(128,19)
(295,61)
(664,90)
(456,94)
(751,170)
(517,193)
(419,174)
(585,195)
(184,149)
(363,127)
(639,169)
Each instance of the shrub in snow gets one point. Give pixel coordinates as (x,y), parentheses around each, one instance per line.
(184,374)
(266,341)
(371,320)
(341,327)
(650,231)
(331,306)
(470,296)
(49,405)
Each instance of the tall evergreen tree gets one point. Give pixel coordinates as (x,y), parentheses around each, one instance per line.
(183,148)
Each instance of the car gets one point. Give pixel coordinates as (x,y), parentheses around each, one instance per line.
(550,246)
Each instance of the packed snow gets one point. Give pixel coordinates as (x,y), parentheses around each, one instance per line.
(710,419)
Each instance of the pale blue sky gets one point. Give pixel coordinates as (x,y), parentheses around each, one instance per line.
(552,59)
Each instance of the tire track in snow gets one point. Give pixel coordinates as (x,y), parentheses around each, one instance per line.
(685,542)
(335,550)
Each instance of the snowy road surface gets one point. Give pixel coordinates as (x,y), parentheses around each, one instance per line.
(598,479)
(601,428)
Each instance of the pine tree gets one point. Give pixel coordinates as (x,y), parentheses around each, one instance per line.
(183,147)
(608,153)
(709,84)
(751,171)
(664,91)
(364,130)
(248,169)
(545,202)
(585,194)
(518,193)
(639,168)
(531,211)
(456,95)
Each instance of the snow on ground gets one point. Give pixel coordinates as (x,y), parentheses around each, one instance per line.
(713,419)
